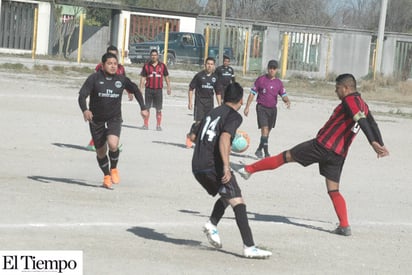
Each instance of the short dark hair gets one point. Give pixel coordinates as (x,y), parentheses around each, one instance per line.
(233,93)
(226,57)
(107,56)
(273,64)
(210,58)
(347,79)
(112,48)
(153,51)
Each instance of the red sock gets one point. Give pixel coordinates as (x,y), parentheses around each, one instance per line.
(158,118)
(340,207)
(146,120)
(266,164)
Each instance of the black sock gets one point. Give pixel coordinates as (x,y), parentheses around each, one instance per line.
(243,224)
(114,158)
(265,145)
(218,211)
(104,165)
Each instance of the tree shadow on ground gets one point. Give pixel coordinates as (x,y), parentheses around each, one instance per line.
(151,234)
(70,146)
(63,180)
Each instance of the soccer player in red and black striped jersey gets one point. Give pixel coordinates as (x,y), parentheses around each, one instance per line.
(330,147)
(152,79)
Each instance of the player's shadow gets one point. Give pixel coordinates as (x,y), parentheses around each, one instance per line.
(306,223)
(180,145)
(151,234)
(62,180)
(71,146)
(132,127)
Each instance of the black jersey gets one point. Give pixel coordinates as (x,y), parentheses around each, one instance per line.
(204,85)
(106,95)
(225,75)
(207,153)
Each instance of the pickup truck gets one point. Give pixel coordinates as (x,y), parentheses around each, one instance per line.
(183,47)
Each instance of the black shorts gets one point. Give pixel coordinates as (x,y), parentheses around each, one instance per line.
(266,117)
(213,184)
(154,98)
(100,130)
(309,152)
(202,107)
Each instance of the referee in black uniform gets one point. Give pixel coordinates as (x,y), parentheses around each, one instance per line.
(105,89)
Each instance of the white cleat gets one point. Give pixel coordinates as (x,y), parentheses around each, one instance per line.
(256,253)
(212,234)
(243,173)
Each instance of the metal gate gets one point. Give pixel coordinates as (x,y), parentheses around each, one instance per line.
(16,25)
(403,60)
(304,51)
(145,28)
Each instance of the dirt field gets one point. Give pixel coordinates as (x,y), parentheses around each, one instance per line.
(151,222)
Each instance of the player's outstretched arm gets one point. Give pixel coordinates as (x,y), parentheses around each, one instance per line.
(248,102)
(380,150)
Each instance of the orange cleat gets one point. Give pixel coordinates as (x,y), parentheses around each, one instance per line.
(107,182)
(115,175)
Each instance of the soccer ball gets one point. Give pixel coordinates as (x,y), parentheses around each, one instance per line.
(240,142)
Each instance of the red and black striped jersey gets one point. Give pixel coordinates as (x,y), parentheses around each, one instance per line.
(154,74)
(341,128)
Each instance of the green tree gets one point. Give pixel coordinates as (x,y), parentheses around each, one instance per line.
(98,16)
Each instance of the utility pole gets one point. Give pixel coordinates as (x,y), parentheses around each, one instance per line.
(222,33)
(381,33)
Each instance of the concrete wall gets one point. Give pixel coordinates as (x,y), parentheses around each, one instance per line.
(350,53)
(272,47)
(95,42)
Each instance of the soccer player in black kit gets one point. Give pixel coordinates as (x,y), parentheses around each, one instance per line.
(105,89)
(225,75)
(204,84)
(210,167)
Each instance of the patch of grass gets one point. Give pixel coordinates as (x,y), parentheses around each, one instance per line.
(13,66)
(41,68)
(83,70)
(58,69)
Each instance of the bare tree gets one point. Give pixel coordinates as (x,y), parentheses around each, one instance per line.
(360,14)
(399,16)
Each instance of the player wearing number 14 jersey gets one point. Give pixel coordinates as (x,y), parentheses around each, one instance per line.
(210,166)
